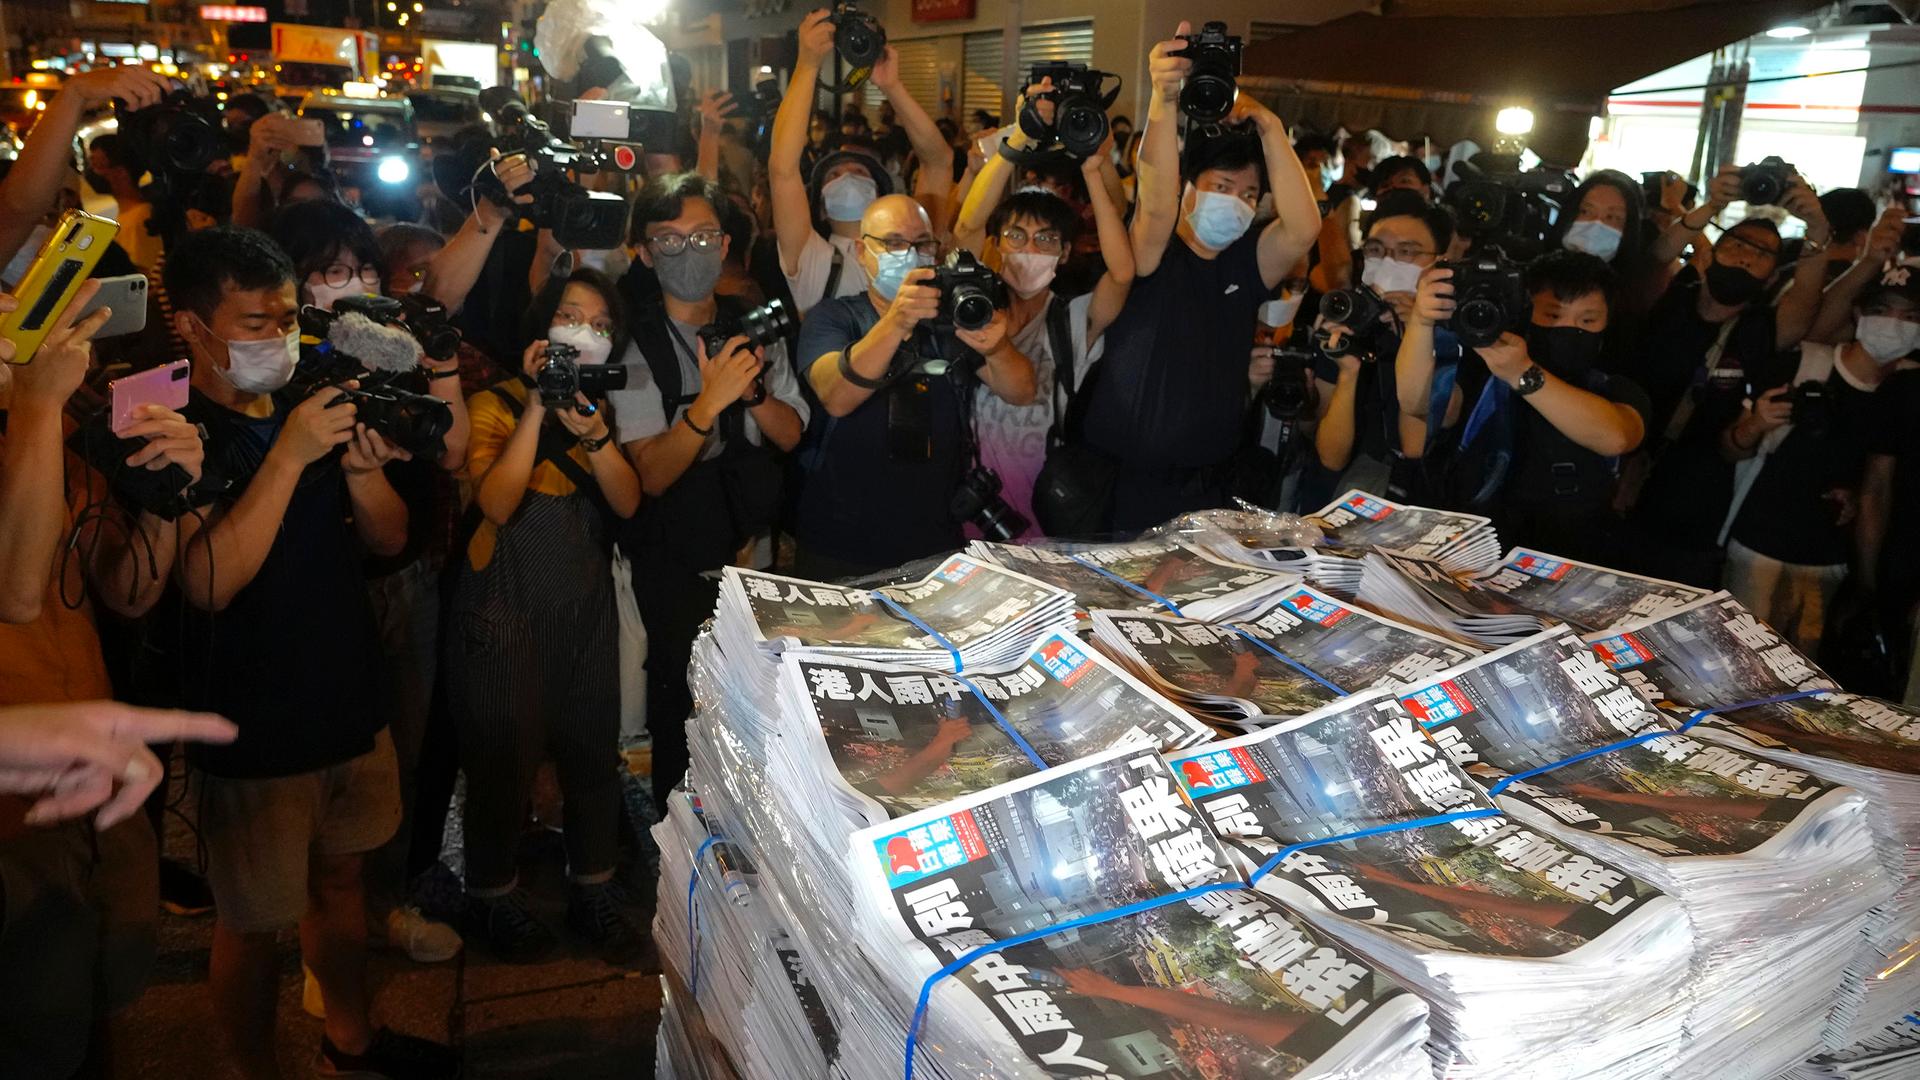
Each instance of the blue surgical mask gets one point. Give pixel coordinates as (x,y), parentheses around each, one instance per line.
(1596,238)
(892,271)
(1218,219)
(847,196)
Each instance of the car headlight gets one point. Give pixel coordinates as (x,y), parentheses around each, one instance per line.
(394,170)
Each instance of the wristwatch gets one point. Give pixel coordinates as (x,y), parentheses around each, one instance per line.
(593,446)
(1530,380)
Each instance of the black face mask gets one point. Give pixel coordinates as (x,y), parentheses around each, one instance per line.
(97,182)
(1567,351)
(1731,285)
(237,139)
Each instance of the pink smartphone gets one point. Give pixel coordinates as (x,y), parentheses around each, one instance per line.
(165,386)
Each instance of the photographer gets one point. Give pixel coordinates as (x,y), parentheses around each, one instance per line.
(1532,429)
(531,653)
(1799,449)
(1709,336)
(816,217)
(705,451)
(893,446)
(113,170)
(45,163)
(283,644)
(1166,404)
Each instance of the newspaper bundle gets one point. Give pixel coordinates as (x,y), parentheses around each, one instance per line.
(1277,541)
(1713,654)
(1422,591)
(1891,1053)
(1463,543)
(1516,940)
(1152,574)
(1776,867)
(1584,596)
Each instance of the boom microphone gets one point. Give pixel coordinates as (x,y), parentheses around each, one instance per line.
(377,347)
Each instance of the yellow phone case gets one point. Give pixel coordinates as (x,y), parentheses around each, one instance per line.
(63,265)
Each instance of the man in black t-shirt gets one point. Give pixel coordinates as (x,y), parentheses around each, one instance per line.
(888,446)
(1889,529)
(282,644)
(1168,400)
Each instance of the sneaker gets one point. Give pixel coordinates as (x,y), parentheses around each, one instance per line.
(424,940)
(390,1056)
(509,928)
(594,913)
(183,891)
(312,1001)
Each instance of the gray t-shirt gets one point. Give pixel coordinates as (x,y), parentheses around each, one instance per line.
(639,413)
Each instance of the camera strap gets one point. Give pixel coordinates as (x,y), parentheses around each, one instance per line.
(1060,342)
(555,448)
(834,272)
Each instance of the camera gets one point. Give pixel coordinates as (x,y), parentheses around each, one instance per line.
(1652,183)
(1213,83)
(762,326)
(1079,108)
(1495,203)
(426,319)
(1356,309)
(563,376)
(1289,393)
(859,39)
(594,220)
(977,501)
(1764,183)
(179,134)
(1489,297)
(377,357)
(969,292)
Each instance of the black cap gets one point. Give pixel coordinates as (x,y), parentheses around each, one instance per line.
(882,183)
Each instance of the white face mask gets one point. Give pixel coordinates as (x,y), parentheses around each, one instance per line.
(1596,238)
(1218,219)
(325,295)
(1391,276)
(847,196)
(594,349)
(1279,313)
(259,367)
(1028,272)
(1886,338)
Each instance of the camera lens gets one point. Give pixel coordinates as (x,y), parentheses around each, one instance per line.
(972,308)
(1207,97)
(1479,321)
(1082,127)
(1340,306)
(1760,189)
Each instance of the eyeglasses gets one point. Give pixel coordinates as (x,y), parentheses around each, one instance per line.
(896,245)
(673,243)
(1737,244)
(1406,252)
(340,275)
(1015,238)
(601,327)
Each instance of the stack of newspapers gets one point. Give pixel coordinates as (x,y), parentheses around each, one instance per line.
(1153,574)
(1461,542)
(1770,701)
(1891,1053)
(1538,961)
(1424,592)
(1776,867)
(1277,541)
(1581,595)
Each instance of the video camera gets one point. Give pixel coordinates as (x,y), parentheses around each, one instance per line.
(1495,203)
(1489,297)
(969,293)
(562,376)
(1079,109)
(1764,183)
(861,42)
(762,326)
(593,220)
(367,339)
(760,110)
(1213,84)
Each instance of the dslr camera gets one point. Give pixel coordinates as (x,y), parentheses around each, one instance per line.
(176,138)
(1079,108)
(1359,309)
(859,39)
(1288,395)
(562,376)
(1489,297)
(1213,83)
(978,502)
(762,326)
(969,293)
(595,220)
(1495,203)
(378,352)
(1764,183)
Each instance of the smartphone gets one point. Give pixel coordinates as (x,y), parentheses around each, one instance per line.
(165,386)
(57,273)
(126,294)
(308,131)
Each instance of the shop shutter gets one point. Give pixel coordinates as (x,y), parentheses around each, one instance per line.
(980,86)
(919,74)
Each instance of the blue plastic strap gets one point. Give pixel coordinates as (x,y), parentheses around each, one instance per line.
(924,628)
(1285,659)
(1097,918)
(1125,584)
(693,928)
(1000,718)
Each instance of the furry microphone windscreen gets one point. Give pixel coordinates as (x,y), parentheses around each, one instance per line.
(380,348)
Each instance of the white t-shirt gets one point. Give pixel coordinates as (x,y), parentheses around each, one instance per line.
(639,413)
(1013,438)
(809,286)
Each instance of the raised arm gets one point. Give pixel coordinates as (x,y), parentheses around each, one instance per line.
(934,185)
(715,108)
(792,216)
(1834,321)
(1110,292)
(988,189)
(1290,235)
(453,269)
(46,162)
(1157,167)
(1721,193)
(1794,317)
(1413,364)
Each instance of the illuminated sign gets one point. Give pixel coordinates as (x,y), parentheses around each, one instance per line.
(230,14)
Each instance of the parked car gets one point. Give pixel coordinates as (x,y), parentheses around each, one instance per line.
(374,148)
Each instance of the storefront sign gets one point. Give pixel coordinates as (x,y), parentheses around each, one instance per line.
(942,10)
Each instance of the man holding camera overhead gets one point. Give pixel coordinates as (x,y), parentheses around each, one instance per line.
(893,449)
(817,217)
(700,427)
(1165,406)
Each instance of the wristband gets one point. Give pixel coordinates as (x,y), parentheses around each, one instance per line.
(594,446)
(703,432)
(443,373)
(854,377)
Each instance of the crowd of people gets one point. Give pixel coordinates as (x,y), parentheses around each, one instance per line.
(1189,314)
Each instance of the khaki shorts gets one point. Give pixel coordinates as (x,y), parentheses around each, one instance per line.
(262,835)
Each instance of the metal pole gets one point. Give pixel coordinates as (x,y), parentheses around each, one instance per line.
(1010,60)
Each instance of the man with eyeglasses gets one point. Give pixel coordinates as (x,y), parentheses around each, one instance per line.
(1709,340)
(892,445)
(705,433)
